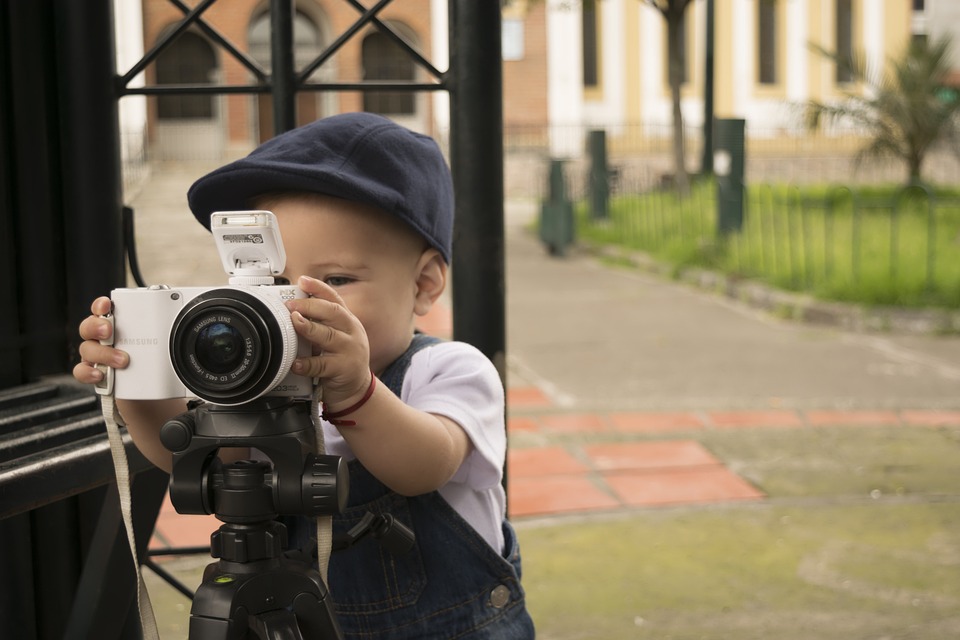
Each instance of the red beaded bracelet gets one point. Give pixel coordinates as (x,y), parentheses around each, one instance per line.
(332,418)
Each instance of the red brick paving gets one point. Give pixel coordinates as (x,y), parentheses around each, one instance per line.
(655,422)
(551,480)
(633,456)
(574,423)
(548,495)
(686,486)
(868,418)
(739,419)
(543,461)
(523,397)
(931,418)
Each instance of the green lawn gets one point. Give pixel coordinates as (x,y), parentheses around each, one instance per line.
(876,246)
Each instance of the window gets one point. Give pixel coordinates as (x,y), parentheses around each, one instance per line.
(767,42)
(187,60)
(591,63)
(844,40)
(512,43)
(307,44)
(384,59)
(306,40)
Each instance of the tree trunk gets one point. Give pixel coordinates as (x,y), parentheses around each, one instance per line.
(680,178)
(914,163)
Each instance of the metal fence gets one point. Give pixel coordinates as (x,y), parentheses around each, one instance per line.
(640,155)
(875,245)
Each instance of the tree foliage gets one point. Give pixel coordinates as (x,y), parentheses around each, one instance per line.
(906,109)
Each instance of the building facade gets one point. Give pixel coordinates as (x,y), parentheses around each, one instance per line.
(214,127)
(568,66)
(765,59)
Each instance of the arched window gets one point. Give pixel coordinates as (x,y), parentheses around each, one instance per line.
(187,60)
(383,59)
(307,44)
(306,40)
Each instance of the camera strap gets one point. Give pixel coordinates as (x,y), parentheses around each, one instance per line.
(118,452)
(324,522)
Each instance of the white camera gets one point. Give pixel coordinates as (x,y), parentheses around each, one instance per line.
(226,345)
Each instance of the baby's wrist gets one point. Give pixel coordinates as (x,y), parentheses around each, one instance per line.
(334,413)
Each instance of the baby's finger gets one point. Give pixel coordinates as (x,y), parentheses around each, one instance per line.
(95,328)
(322,334)
(313,367)
(334,315)
(101,306)
(87,374)
(93,352)
(319,289)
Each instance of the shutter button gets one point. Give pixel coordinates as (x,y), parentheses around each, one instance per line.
(499,597)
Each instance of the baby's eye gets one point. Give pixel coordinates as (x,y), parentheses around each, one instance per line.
(338,281)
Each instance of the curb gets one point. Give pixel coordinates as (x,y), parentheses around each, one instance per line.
(788,305)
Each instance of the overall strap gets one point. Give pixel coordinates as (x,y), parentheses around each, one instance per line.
(393,376)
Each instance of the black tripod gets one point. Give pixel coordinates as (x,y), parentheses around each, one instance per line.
(255,590)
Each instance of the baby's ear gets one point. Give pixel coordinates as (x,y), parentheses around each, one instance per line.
(431,280)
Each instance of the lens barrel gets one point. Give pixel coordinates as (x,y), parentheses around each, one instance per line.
(229,346)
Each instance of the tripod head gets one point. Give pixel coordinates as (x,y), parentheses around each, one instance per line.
(302,482)
(254,588)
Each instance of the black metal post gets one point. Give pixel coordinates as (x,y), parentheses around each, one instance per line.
(90,155)
(281,62)
(476,159)
(706,161)
(35,336)
(11,365)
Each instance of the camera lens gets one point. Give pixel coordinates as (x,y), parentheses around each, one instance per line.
(230,346)
(219,347)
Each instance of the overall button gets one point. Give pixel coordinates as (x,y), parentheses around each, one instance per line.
(499,597)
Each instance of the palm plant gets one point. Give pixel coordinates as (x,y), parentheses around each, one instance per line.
(905,110)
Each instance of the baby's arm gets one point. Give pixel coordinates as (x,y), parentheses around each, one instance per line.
(142,417)
(410,451)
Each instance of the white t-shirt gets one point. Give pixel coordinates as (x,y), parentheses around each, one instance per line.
(455,380)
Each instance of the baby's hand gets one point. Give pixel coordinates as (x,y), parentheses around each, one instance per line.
(341,352)
(93,329)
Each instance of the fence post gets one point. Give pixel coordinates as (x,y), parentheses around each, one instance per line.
(599,175)
(728,165)
(556,214)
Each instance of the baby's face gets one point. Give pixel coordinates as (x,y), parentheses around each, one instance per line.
(367,256)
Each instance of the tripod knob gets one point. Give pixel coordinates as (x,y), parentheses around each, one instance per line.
(177,433)
(325,485)
(248,542)
(243,493)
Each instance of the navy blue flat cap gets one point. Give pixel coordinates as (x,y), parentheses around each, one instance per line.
(356,156)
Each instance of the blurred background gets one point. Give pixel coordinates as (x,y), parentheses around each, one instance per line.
(724,254)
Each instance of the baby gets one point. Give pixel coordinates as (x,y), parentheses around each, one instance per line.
(365,210)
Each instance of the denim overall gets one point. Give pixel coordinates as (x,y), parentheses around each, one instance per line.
(452,584)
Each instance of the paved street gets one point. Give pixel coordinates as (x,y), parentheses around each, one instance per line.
(597,337)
